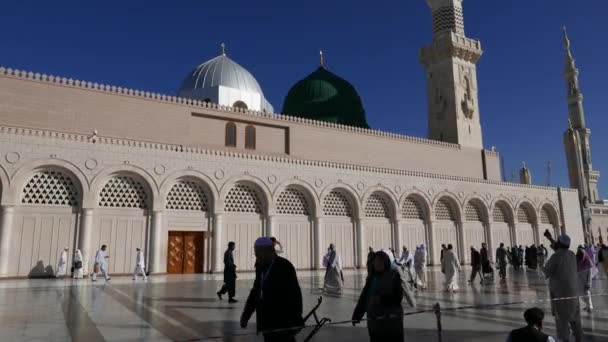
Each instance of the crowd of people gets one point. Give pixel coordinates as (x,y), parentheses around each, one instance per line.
(277,300)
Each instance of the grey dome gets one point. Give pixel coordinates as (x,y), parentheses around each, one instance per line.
(219,71)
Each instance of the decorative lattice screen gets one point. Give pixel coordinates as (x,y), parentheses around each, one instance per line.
(50,187)
(242,198)
(472,212)
(444,210)
(546,216)
(377,206)
(336,204)
(524,215)
(292,202)
(123,192)
(499,214)
(412,209)
(448,18)
(187,195)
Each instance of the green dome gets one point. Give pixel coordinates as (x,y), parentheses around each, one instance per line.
(326,97)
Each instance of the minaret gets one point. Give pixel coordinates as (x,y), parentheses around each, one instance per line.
(576,138)
(451,71)
(525,177)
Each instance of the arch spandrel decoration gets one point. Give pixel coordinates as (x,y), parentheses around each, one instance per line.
(242,198)
(292,201)
(124,191)
(378,206)
(189,195)
(336,203)
(444,210)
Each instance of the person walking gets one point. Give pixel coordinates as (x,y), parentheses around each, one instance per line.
(561,270)
(370,260)
(381,299)
(230,274)
(420,260)
(451,267)
(406,261)
(475,266)
(334,278)
(78,263)
(140,264)
(62,264)
(542,253)
(502,259)
(276,297)
(101,264)
(486,265)
(602,258)
(532,332)
(584,265)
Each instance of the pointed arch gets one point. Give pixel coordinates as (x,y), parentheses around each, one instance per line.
(255,183)
(201,179)
(475,209)
(348,192)
(145,178)
(306,189)
(415,205)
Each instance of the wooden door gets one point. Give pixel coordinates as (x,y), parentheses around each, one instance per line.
(193,252)
(175,255)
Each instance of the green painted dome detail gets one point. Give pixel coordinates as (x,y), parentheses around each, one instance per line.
(326,97)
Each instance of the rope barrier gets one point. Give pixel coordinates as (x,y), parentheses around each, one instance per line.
(436,308)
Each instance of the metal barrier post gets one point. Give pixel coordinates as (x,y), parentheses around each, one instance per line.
(437,309)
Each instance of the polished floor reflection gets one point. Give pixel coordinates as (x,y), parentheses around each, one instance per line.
(185,308)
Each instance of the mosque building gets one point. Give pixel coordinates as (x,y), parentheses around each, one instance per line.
(84,164)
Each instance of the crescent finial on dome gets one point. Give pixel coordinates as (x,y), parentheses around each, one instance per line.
(223,49)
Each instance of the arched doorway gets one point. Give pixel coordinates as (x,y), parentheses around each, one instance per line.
(525,225)
(502,222)
(379,214)
(294,225)
(474,227)
(413,226)
(45,222)
(445,227)
(338,225)
(122,220)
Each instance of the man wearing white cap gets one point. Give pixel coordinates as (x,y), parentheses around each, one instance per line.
(140,265)
(276,297)
(62,264)
(561,271)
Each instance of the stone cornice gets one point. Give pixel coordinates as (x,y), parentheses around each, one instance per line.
(92,139)
(145,95)
(451,45)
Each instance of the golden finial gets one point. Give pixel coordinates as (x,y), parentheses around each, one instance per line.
(223,49)
(322,59)
(524,164)
(569,123)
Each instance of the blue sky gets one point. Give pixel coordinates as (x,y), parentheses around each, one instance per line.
(152,45)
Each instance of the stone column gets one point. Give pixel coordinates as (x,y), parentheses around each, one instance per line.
(460,241)
(217,264)
(270,225)
(6,230)
(317,248)
(155,243)
(431,248)
(489,240)
(84,238)
(360,249)
(397,235)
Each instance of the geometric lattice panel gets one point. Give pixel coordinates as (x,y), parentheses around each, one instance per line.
(499,213)
(524,215)
(336,204)
(448,18)
(187,195)
(292,202)
(547,216)
(50,187)
(123,192)
(242,199)
(377,206)
(472,212)
(444,210)
(412,209)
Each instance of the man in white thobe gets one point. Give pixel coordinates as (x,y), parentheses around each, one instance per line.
(451,266)
(140,265)
(420,266)
(561,271)
(334,278)
(101,265)
(62,264)
(406,261)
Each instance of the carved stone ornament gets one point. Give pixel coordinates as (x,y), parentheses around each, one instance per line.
(360,186)
(90,164)
(318,183)
(397,189)
(219,174)
(159,169)
(12,157)
(272,179)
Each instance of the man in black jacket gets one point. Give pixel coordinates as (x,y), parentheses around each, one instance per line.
(229,275)
(533,331)
(275,297)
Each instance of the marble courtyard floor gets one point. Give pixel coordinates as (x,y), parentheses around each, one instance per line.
(185,308)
